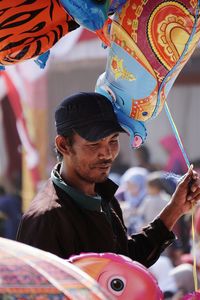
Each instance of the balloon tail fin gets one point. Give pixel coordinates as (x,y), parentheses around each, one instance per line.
(42,59)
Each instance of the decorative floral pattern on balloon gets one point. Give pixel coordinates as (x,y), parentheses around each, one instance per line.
(165,30)
(119,70)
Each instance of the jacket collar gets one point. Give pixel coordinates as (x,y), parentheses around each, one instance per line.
(105,190)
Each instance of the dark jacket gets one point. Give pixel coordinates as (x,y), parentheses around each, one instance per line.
(55,223)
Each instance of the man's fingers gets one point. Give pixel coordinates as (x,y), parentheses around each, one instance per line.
(192,178)
(195,175)
(195,200)
(188,176)
(194,196)
(194,184)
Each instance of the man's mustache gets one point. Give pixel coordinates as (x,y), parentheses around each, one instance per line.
(104,162)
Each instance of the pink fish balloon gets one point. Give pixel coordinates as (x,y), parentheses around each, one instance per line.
(119,275)
(192,296)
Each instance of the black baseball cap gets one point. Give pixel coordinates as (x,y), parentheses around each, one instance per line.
(91,115)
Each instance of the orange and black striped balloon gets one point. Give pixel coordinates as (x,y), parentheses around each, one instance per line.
(29,28)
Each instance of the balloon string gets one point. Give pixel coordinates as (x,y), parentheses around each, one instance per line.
(176,133)
(194,253)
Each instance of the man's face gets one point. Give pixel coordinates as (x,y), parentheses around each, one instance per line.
(92,161)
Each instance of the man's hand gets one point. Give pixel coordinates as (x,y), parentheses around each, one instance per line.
(186,195)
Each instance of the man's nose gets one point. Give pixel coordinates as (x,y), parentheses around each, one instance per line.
(105,152)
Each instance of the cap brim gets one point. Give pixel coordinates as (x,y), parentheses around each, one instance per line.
(98,131)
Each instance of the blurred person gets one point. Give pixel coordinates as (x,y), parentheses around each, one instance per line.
(176,162)
(183,273)
(76,211)
(115,177)
(161,270)
(176,279)
(11,209)
(131,192)
(168,181)
(2,216)
(132,186)
(154,201)
(175,252)
(183,232)
(183,276)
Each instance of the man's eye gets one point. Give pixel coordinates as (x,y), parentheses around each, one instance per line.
(114,141)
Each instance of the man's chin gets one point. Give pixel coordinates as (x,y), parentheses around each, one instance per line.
(97,177)
(101,178)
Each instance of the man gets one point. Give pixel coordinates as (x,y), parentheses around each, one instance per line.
(76,210)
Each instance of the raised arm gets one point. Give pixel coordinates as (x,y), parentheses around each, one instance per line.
(186,195)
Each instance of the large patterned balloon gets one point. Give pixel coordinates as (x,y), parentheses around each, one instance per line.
(150,43)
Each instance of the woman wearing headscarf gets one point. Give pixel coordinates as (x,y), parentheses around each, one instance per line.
(131,193)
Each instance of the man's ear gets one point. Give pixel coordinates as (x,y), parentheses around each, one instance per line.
(61,144)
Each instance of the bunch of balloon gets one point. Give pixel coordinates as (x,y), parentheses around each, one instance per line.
(30,28)
(150,42)
(119,275)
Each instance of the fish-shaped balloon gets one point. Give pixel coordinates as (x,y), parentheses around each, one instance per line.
(150,42)
(119,275)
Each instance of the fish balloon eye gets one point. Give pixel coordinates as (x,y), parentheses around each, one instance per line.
(116,285)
